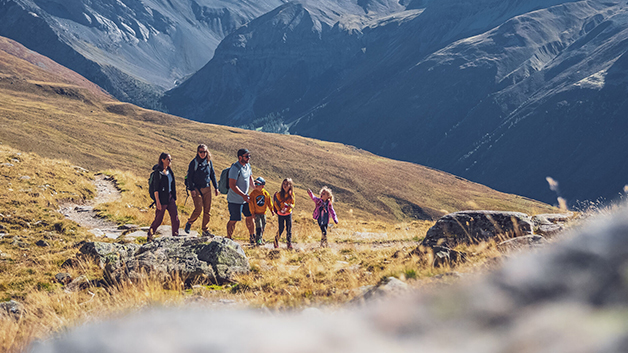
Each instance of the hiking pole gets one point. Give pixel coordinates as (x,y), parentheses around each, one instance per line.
(186,198)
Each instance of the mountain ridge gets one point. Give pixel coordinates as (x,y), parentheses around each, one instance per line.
(430,86)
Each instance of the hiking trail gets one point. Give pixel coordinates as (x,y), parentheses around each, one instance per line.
(84,214)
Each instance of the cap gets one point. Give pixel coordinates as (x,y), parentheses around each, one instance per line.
(242,152)
(260,181)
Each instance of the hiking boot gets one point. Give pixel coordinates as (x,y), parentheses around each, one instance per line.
(187,227)
(260,242)
(206,233)
(150,236)
(252,239)
(289,246)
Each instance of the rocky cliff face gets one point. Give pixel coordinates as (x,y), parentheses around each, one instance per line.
(135,49)
(502,92)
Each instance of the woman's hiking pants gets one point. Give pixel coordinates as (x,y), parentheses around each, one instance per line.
(202,203)
(171,207)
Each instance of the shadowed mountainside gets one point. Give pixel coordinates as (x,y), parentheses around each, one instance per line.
(504,93)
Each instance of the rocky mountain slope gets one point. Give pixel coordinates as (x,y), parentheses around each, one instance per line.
(135,49)
(502,92)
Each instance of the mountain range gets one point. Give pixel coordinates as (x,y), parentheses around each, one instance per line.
(505,93)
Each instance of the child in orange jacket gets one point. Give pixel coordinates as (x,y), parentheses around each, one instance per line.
(284,203)
(259,202)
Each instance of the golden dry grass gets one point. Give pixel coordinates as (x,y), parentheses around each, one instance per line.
(361,254)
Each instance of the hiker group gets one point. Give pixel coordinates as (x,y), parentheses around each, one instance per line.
(236,182)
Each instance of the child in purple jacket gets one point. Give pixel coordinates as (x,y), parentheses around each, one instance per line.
(323,210)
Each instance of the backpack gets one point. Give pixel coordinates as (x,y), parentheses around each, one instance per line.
(223,183)
(187,180)
(151,189)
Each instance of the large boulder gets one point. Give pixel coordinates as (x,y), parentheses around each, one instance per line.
(386,288)
(549,224)
(12,309)
(477,226)
(194,259)
(571,296)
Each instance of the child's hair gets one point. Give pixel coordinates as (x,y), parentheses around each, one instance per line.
(290,190)
(328,191)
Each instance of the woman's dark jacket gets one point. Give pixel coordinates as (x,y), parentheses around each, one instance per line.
(200,174)
(160,184)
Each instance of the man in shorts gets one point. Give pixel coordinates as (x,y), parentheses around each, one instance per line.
(240,181)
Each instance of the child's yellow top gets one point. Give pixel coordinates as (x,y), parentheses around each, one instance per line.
(286,204)
(260,201)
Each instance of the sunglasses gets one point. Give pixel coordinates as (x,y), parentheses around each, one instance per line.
(247,156)
(202,152)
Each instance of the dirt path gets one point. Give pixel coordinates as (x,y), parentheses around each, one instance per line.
(342,245)
(85,215)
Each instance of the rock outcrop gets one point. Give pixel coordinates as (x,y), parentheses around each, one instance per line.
(12,308)
(550,223)
(477,226)
(194,259)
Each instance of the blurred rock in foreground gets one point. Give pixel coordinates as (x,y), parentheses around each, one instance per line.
(570,297)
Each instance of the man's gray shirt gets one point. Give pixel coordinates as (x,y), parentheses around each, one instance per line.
(242,175)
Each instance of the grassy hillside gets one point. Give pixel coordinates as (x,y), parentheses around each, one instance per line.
(35,240)
(50,110)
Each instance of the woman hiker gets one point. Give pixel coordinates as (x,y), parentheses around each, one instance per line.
(165,196)
(199,180)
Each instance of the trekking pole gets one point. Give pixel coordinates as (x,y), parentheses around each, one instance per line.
(186,197)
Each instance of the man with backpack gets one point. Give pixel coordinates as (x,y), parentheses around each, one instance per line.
(240,180)
(199,179)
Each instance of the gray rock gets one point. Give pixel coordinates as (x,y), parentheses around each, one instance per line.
(445,256)
(569,297)
(194,259)
(476,226)
(12,309)
(7,164)
(521,243)
(550,224)
(63,277)
(79,283)
(388,287)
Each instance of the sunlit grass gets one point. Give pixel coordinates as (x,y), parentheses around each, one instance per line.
(362,252)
